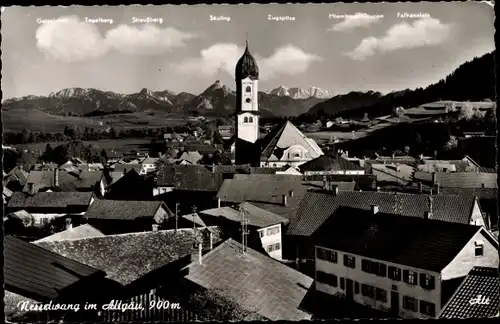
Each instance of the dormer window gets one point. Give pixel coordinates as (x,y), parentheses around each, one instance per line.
(248,89)
(245,119)
(250,119)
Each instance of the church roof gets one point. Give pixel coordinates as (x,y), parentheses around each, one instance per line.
(247,66)
(284,136)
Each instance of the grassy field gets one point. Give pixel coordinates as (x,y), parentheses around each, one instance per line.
(118,145)
(39,121)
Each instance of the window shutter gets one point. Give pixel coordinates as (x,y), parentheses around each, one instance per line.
(422,280)
(431,283)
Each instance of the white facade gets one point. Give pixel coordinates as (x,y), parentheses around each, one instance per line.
(351,172)
(399,294)
(247,120)
(161,190)
(271,240)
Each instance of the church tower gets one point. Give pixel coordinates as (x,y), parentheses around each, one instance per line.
(247,107)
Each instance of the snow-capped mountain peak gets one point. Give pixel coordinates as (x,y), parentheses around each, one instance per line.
(300,93)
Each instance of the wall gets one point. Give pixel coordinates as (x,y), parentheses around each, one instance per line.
(404,289)
(351,172)
(477,217)
(248,131)
(161,215)
(161,190)
(272,239)
(466,259)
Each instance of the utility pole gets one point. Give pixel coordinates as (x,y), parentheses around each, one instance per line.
(176,214)
(193,208)
(244,231)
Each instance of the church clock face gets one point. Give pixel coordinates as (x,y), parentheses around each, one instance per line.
(247,100)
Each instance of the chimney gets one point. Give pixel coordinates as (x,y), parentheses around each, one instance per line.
(218,202)
(420,187)
(155,227)
(69,225)
(290,193)
(434,177)
(325,184)
(378,189)
(31,188)
(427,215)
(437,189)
(211,239)
(200,252)
(285,200)
(335,190)
(374,209)
(56,177)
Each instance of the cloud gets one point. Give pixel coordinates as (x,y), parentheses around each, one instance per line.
(289,60)
(71,40)
(423,32)
(359,19)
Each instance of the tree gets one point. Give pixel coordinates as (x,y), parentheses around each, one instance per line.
(104,155)
(25,136)
(365,118)
(466,112)
(398,111)
(407,150)
(450,107)
(47,154)
(451,143)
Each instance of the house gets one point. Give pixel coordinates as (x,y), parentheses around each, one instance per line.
(329,164)
(15,179)
(41,275)
(286,145)
(317,206)
(476,297)
(251,279)
(124,168)
(130,186)
(473,134)
(392,173)
(329,124)
(45,166)
(408,272)
(226,131)
(366,182)
(7,193)
(457,179)
(46,206)
(125,216)
(464,165)
(290,170)
(149,164)
(72,233)
(262,224)
(63,181)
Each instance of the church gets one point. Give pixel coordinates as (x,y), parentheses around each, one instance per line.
(283,145)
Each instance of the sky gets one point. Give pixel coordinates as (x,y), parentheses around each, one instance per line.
(340,47)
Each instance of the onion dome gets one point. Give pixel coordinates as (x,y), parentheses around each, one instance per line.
(247,66)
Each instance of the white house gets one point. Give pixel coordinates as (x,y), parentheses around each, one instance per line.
(395,263)
(149,164)
(265,225)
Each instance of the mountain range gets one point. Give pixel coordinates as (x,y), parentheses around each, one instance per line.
(217,100)
(299,93)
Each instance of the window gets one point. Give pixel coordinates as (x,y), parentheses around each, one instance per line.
(427,308)
(349,261)
(381,294)
(479,248)
(250,119)
(426,281)
(327,255)
(248,89)
(245,119)
(382,270)
(342,283)
(44,220)
(356,287)
(248,100)
(367,291)
(270,248)
(262,233)
(366,266)
(326,278)
(394,273)
(273,230)
(410,277)
(410,303)
(276,247)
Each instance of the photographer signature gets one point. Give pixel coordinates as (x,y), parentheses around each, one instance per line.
(480,300)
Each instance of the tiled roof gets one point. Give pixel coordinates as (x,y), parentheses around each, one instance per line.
(7,192)
(284,136)
(190,177)
(79,232)
(363,181)
(460,179)
(329,163)
(487,170)
(46,166)
(49,199)
(253,280)
(127,167)
(122,209)
(68,181)
(317,206)
(420,243)
(481,193)
(127,257)
(255,216)
(37,273)
(24,216)
(191,157)
(479,282)
(17,174)
(393,173)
